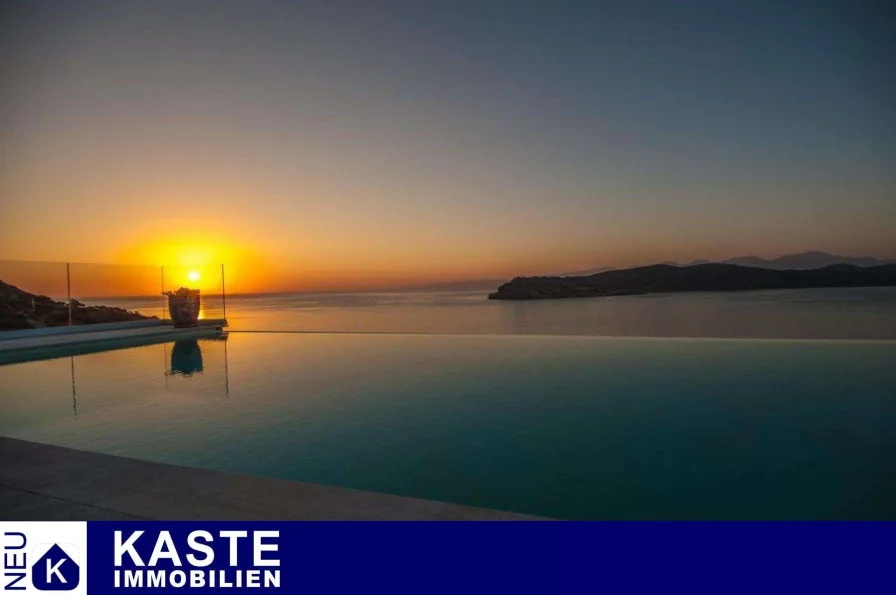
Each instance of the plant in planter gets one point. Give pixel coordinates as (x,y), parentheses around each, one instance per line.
(183,305)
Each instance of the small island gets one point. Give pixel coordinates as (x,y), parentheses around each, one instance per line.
(21,310)
(663,278)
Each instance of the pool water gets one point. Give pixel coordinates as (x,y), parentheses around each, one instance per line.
(565,427)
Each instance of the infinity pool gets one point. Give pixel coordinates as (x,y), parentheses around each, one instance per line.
(566,427)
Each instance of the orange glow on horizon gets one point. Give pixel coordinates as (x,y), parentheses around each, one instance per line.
(197,263)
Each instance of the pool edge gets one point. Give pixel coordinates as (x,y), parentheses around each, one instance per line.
(45,482)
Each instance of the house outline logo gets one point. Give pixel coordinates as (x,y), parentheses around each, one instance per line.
(55,570)
(43,557)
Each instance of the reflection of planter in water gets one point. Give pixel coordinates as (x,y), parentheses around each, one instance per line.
(183,305)
(186,358)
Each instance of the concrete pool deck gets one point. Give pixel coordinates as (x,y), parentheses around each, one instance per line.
(43,482)
(37,344)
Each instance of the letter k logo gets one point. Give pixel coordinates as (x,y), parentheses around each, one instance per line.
(55,571)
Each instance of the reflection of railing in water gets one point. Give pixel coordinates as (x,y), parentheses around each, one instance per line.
(186,360)
(74,395)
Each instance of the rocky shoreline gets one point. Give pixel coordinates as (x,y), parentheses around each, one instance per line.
(20,310)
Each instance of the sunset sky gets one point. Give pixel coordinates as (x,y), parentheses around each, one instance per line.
(315,145)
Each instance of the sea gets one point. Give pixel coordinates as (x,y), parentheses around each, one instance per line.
(747,405)
(831,313)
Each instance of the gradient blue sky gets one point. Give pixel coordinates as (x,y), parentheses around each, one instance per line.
(403,141)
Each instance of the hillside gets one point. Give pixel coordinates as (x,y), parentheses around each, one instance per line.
(22,310)
(663,278)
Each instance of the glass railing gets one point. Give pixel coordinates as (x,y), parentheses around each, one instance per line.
(45,294)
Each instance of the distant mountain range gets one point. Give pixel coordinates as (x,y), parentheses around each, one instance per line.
(665,278)
(586,272)
(789,262)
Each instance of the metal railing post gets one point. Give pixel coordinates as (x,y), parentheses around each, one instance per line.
(162,280)
(223,293)
(68,286)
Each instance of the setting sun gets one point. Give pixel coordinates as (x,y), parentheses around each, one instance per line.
(193,276)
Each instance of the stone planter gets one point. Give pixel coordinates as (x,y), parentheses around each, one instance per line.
(184,310)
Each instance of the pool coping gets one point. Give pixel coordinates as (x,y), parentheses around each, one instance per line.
(31,347)
(45,482)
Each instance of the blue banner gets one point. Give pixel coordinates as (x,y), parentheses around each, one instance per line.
(449,557)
